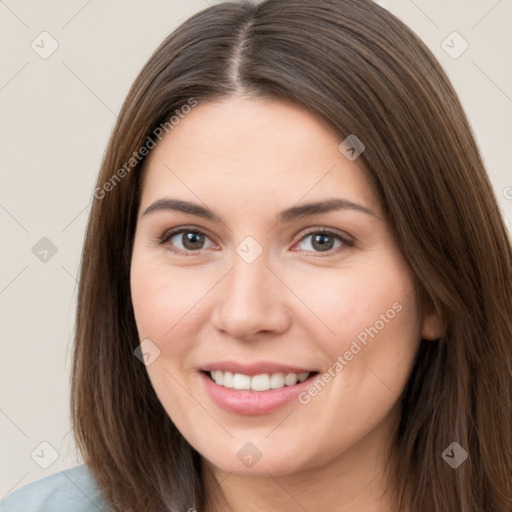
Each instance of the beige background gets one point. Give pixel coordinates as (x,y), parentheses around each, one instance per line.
(57,114)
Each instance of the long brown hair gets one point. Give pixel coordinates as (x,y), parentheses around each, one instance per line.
(366,73)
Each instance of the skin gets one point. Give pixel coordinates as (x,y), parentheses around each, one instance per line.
(247,159)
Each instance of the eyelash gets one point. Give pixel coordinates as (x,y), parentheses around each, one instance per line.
(169,234)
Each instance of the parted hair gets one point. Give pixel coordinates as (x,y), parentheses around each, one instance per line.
(366,73)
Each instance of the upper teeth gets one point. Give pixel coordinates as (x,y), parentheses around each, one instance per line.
(261,382)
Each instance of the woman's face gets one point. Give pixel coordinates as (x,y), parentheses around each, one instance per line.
(232,273)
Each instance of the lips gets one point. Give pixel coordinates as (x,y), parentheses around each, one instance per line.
(250,401)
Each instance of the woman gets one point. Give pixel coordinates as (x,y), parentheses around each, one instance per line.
(339,344)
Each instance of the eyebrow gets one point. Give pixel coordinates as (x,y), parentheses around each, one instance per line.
(288,215)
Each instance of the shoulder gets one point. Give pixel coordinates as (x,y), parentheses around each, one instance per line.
(73,489)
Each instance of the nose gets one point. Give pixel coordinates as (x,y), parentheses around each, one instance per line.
(251,300)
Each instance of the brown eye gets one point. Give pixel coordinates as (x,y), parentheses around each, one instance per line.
(185,240)
(192,240)
(325,241)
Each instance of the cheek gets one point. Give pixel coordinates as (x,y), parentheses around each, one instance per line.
(375,319)
(377,326)
(357,302)
(164,298)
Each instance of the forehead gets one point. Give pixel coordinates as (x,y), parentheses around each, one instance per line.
(253,149)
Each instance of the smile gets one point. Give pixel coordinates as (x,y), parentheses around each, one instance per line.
(253,394)
(261,382)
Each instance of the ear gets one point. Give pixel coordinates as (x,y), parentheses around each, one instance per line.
(433,326)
